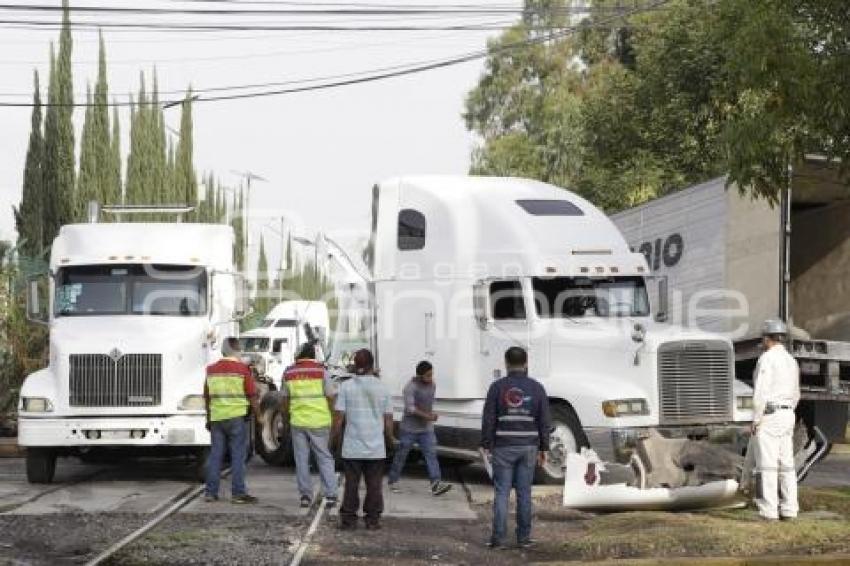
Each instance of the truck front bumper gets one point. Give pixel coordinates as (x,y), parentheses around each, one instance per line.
(618,444)
(171,430)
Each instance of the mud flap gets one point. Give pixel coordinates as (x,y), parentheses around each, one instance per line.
(814,449)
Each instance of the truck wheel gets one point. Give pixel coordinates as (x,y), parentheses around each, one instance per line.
(567,436)
(41,465)
(199,464)
(273,442)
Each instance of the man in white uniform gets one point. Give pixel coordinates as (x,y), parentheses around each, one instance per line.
(777,391)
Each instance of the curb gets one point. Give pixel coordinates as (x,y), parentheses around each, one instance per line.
(9,448)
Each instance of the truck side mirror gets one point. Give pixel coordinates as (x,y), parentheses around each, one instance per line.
(663,300)
(481,304)
(37,302)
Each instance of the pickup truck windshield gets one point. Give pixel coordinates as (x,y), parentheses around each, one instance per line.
(163,290)
(575,297)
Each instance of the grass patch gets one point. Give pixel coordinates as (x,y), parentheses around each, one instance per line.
(717,533)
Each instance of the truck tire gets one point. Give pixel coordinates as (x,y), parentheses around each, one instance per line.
(272,440)
(199,464)
(567,436)
(41,465)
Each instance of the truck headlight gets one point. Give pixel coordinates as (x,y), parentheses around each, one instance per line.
(193,403)
(36,405)
(625,408)
(744,402)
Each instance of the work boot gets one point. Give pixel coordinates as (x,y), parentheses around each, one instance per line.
(331,501)
(394,487)
(439,488)
(244,499)
(305,502)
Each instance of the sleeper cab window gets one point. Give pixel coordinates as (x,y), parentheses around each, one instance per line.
(411,230)
(507,301)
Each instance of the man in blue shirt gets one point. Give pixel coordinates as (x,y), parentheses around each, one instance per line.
(515,430)
(363,404)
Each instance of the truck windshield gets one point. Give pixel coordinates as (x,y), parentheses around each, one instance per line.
(573,297)
(254,344)
(164,290)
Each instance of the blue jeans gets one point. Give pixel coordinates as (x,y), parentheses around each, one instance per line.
(513,467)
(303,439)
(231,434)
(427,442)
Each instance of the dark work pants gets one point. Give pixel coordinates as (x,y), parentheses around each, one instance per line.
(373,505)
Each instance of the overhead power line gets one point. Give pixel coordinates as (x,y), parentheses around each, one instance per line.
(377,75)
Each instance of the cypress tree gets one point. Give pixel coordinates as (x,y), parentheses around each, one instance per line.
(262,298)
(28,215)
(59,163)
(115,194)
(137,162)
(186,182)
(161,191)
(87,189)
(105,188)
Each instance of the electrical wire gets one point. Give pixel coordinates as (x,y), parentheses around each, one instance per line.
(378,75)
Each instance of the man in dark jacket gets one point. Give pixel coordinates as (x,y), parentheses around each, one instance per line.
(515,434)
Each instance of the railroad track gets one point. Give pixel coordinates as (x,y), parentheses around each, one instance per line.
(186,497)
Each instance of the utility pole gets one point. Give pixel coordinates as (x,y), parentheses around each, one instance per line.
(248,176)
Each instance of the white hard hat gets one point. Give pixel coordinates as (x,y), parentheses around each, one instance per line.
(773,326)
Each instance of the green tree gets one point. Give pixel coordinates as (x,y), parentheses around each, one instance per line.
(186,189)
(262,303)
(28,215)
(59,163)
(87,181)
(107,186)
(665,98)
(116,194)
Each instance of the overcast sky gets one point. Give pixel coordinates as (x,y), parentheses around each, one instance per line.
(320,151)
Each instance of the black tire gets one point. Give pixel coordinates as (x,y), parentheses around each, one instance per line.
(199,464)
(272,439)
(41,465)
(565,423)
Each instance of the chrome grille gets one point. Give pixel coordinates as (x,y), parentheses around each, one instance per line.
(695,382)
(133,380)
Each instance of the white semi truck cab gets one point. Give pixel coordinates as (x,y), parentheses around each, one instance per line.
(465,267)
(135,311)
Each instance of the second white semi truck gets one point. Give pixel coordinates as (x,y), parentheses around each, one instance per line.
(462,268)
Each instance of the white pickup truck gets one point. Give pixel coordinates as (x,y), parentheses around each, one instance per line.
(136,311)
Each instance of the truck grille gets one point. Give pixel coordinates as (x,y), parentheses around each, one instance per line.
(133,380)
(695,382)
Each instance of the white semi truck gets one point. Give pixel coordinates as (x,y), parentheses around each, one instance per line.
(136,311)
(462,268)
(275,342)
(733,261)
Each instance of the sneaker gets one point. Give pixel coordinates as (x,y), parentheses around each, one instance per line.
(305,502)
(244,499)
(210,498)
(526,543)
(373,526)
(496,545)
(331,502)
(439,488)
(394,487)
(787,518)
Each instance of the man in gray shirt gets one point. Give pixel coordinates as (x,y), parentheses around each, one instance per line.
(417,426)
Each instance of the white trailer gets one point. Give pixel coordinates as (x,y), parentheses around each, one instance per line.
(733,261)
(135,311)
(465,267)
